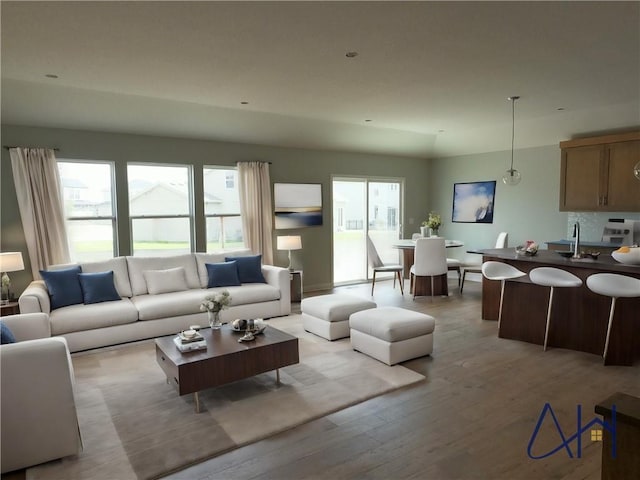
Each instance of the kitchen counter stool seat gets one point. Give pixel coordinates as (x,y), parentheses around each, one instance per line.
(502,272)
(554,278)
(615,286)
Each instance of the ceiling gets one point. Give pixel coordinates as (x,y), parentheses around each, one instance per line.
(431,79)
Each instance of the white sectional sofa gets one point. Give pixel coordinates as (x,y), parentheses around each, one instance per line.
(140,314)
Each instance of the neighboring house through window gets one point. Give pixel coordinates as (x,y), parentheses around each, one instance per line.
(87,189)
(222,208)
(160,209)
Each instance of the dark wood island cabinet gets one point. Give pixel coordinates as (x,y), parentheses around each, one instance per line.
(579,316)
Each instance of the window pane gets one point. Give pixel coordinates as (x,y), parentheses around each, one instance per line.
(90,240)
(221,193)
(86,189)
(158,190)
(232,238)
(222,197)
(154,237)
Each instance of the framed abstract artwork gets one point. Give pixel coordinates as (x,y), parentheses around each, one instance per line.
(473,202)
(297,205)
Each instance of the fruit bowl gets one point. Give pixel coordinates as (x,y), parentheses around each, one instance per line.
(565,253)
(627,255)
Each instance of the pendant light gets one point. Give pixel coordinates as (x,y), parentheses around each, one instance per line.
(512,176)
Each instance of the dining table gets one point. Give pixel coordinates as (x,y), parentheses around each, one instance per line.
(440,283)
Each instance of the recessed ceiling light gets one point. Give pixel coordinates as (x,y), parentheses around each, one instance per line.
(560,109)
(440,131)
(351,54)
(368,120)
(51,75)
(244,103)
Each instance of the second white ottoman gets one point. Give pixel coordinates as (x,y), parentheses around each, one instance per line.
(328,315)
(391,334)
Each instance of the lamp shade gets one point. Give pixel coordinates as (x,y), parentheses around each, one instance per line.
(11,262)
(289,242)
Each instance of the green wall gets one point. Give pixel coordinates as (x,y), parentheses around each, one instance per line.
(288,165)
(527,211)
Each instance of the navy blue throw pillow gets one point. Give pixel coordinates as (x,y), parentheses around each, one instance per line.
(98,287)
(6,335)
(222,274)
(64,286)
(249,268)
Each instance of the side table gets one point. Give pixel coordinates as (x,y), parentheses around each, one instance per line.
(11,308)
(296,285)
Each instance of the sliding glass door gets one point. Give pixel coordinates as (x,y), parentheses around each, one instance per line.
(361,207)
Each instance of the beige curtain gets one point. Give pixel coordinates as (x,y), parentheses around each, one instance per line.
(37,181)
(255,207)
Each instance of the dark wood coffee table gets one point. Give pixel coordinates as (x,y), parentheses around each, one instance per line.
(225,360)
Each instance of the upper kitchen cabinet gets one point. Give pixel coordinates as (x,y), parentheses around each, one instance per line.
(597,174)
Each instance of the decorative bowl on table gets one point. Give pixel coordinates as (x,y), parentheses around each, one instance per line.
(529,250)
(253,326)
(627,255)
(564,253)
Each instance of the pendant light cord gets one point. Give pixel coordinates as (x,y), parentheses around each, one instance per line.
(513,126)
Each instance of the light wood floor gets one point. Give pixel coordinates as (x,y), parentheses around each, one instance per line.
(471,419)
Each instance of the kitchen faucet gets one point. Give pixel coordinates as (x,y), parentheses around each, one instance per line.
(576,235)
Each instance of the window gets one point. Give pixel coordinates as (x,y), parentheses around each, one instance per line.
(222,209)
(88,193)
(160,209)
(230,179)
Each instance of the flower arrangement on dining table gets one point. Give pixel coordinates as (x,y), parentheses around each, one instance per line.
(213,304)
(433,222)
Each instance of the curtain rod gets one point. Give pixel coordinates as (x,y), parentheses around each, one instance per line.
(257,161)
(55,149)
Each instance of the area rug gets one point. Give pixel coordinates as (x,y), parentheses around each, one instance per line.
(135,426)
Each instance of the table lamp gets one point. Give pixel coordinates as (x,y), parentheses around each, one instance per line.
(289,242)
(10,262)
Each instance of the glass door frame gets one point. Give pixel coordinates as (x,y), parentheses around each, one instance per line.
(366,180)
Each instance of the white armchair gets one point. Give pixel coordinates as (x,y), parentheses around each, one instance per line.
(38,411)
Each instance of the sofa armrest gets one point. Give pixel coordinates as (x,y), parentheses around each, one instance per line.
(38,410)
(281,279)
(35,298)
(28,326)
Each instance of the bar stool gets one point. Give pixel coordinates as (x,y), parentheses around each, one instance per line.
(503,272)
(552,277)
(613,285)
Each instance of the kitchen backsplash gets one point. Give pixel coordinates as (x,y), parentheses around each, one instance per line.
(592,223)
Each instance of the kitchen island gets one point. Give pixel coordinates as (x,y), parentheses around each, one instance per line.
(579,316)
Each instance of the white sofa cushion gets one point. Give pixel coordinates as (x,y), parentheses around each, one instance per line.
(151,307)
(203,258)
(96,315)
(250,293)
(120,273)
(138,265)
(165,281)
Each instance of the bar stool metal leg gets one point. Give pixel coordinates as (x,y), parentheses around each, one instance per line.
(546,330)
(606,341)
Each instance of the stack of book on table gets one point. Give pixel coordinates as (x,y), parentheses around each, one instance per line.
(188,344)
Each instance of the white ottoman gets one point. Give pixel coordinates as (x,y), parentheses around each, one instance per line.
(328,315)
(391,334)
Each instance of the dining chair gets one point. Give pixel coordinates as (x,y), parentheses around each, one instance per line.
(476,267)
(430,260)
(378,266)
